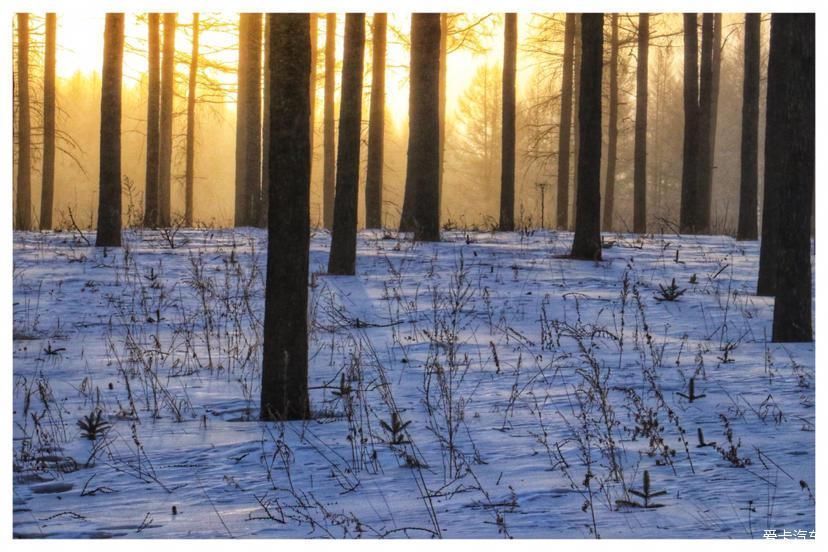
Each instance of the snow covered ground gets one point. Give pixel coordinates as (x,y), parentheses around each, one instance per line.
(480,387)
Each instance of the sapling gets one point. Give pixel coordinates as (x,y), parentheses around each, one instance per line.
(646,494)
(396,428)
(671,292)
(691,390)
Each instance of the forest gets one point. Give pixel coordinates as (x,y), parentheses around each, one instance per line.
(413,275)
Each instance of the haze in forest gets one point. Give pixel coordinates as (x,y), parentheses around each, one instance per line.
(470,193)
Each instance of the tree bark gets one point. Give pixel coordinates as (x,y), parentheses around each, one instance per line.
(641,102)
(165,148)
(705,165)
(792,46)
(329,166)
(689,221)
(264,206)
(507,171)
(109,198)
(47,197)
(587,241)
(444,28)
(23,215)
(612,127)
(342,259)
(249,121)
(423,168)
(242,214)
(577,52)
(189,169)
(376,126)
(284,393)
(151,194)
(562,219)
(749,184)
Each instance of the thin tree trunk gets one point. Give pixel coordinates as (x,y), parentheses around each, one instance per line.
(343,241)
(705,166)
(587,241)
(191,101)
(329,166)
(253,124)
(423,168)
(242,214)
(314,50)
(714,95)
(23,215)
(576,129)
(376,126)
(443,85)
(47,197)
(612,127)
(507,171)
(750,131)
(284,393)
(165,148)
(109,198)
(562,219)
(689,221)
(793,38)
(641,101)
(151,194)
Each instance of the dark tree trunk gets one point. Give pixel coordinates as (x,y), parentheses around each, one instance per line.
(705,166)
(343,241)
(587,241)
(47,197)
(641,98)
(165,148)
(689,221)
(376,126)
(423,169)
(507,171)
(189,169)
(565,128)
(249,120)
(716,84)
(444,27)
(612,127)
(241,212)
(23,215)
(792,46)
(285,354)
(109,198)
(151,194)
(577,52)
(750,131)
(329,136)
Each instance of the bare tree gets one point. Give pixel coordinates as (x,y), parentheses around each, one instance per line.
(507,171)
(285,355)
(705,159)
(249,120)
(749,186)
(23,214)
(343,240)
(49,107)
(189,169)
(612,126)
(165,148)
(641,100)
(562,220)
(329,136)
(376,125)
(791,124)
(152,193)
(423,169)
(109,198)
(689,221)
(587,241)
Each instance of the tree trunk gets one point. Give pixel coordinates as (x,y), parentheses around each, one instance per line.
(444,27)
(285,354)
(23,215)
(343,241)
(264,206)
(151,194)
(47,197)
(705,166)
(641,101)
(249,120)
(329,166)
(587,241)
(612,127)
(423,168)
(165,148)
(750,131)
(792,46)
(714,96)
(191,101)
(376,126)
(109,198)
(562,219)
(576,129)
(507,171)
(241,211)
(689,221)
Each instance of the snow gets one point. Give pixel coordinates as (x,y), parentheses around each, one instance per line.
(530,391)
